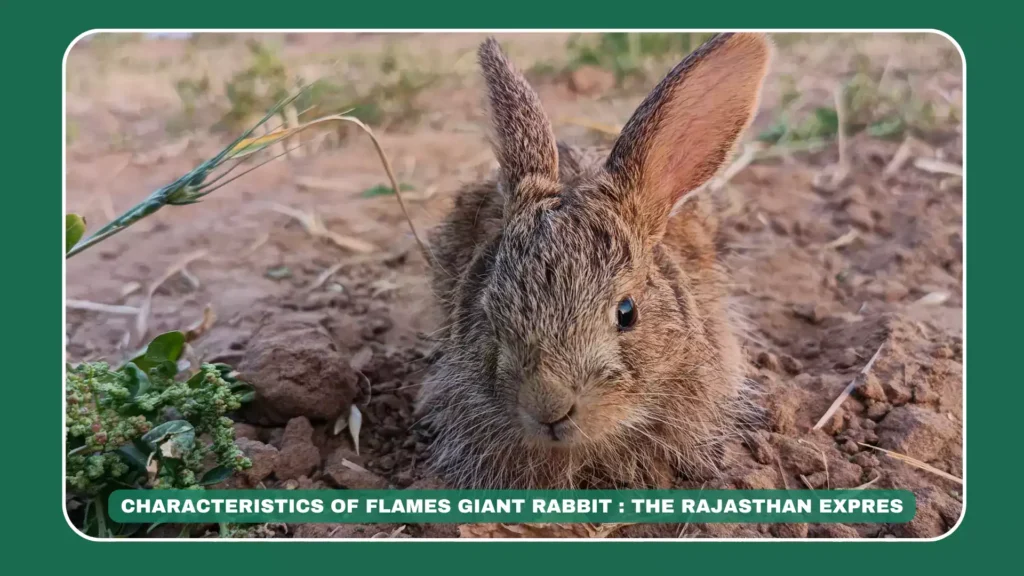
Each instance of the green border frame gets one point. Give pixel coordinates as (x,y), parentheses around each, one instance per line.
(38,34)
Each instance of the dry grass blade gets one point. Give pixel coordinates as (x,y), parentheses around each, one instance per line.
(201,327)
(844,240)
(869,483)
(314,226)
(849,389)
(391,177)
(686,524)
(142,319)
(324,277)
(321,184)
(914,462)
(750,152)
(785,483)
(934,166)
(904,153)
(932,299)
(99,307)
(253,145)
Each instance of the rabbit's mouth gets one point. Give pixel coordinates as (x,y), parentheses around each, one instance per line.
(559,433)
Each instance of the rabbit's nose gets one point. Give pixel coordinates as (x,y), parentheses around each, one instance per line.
(551,418)
(547,414)
(547,404)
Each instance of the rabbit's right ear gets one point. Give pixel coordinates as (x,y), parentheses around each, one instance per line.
(524,141)
(685,129)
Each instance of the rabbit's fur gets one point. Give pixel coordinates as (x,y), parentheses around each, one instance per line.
(536,385)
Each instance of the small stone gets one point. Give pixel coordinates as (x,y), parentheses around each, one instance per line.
(243,430)
(811,349)
(847,358)
(943,351)
(297,370)
(764,478)
(298,455)
(792,365)
(342,471)
(404,478)
(849,447)
(854,195)
(871,389)
(878,410)
(817,480)
(296,460)
(897,393)
(813,313)
(298,430)
(860,216)
(923,394)
(917,432)
(760,448)
(789,530)
(263,459)
(799,457)
(768,361)
(866,460)
(894,291)
(833,531)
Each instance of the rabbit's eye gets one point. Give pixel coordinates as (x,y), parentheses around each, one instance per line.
(625,314)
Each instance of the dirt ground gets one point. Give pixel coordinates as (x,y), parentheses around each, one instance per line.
(827,270)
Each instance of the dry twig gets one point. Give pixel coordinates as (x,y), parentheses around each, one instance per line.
(849,389)
(142,319)
(99,307)
(914,462)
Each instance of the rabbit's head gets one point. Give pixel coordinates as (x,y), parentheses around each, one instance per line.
(587,336)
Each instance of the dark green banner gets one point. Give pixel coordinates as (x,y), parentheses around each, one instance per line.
(513,506)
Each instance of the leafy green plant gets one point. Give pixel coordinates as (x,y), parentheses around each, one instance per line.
(74,229)
(257,87)
(191,92)
(868,106)
(384,190)
(148,425)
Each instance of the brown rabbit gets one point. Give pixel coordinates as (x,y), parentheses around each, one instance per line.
(588,342)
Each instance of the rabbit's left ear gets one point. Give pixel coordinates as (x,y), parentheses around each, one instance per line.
(685,129)
(524,141)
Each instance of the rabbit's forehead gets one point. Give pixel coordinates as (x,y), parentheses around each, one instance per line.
(563,261)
